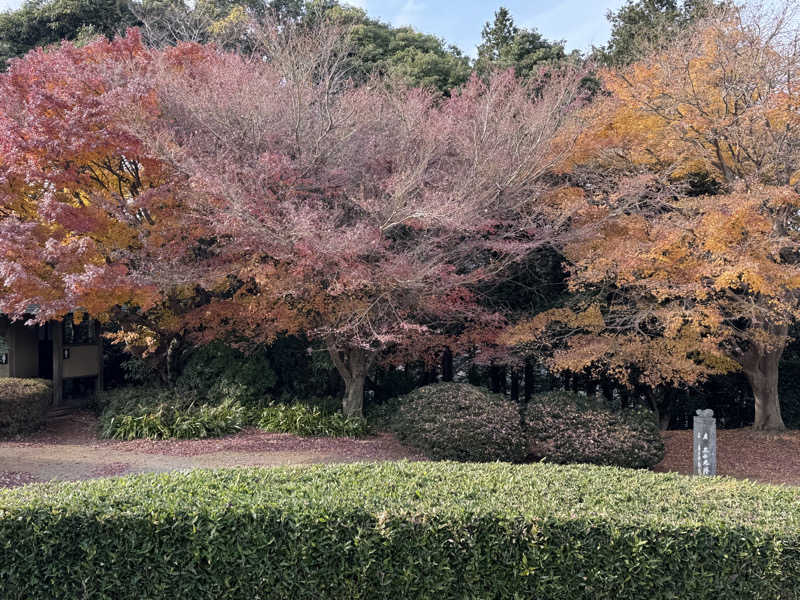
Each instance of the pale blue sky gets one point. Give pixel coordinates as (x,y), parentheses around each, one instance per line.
(580,22)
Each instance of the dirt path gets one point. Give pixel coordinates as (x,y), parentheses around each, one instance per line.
(741,453)
(69,450)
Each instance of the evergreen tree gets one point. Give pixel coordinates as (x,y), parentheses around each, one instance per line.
(506,46)
(642,26)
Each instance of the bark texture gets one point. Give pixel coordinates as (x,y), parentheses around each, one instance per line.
(760,365)
(353,365)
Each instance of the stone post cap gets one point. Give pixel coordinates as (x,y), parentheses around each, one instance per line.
(705,414)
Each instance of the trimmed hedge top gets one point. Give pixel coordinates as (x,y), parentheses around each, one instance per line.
(23,404)
(410,530)
(15,388)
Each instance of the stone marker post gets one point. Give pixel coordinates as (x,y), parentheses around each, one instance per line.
(705,443)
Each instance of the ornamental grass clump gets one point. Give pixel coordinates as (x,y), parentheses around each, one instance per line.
(565,427)
(161,413)
(303,420)
(457,421)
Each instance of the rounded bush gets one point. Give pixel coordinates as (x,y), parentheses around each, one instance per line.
(564,427)
(23,404)
(456,421)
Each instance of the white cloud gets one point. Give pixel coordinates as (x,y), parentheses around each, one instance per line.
(408,14)
(357,3)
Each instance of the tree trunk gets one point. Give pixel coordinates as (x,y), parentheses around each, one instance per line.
(763,378)
(514,385)
(529,383)
(447,364)
(353,403)
(760,365)
(353,365)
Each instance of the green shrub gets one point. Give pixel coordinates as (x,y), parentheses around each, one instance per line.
(379,416)
(23,404)
(457,421)
(401,530)
(216,373)
(565,427)
(300,419)
(161,413)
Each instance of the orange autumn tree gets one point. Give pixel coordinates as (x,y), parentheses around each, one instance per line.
(89,221)
(689,171)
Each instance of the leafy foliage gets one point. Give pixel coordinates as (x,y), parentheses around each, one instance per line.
(675,282)
(506,46)
(641,26)
(301,419)
(379,416)
(216,372)
(415,58)
(456,421)
(400,530)
(565,427)
(44,22)
(156,413)
(23,404)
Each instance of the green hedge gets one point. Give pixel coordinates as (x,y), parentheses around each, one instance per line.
(23,404)
(401,530)
(216,372)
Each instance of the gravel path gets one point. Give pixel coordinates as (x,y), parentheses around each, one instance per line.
(68,449)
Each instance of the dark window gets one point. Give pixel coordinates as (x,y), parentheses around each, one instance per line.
(79,387)
(76,334)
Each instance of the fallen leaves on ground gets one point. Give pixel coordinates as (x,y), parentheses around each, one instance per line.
(742,453)
(9,479)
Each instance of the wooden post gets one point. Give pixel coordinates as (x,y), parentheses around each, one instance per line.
(58,362)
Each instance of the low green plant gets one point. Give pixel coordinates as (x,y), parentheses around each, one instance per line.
(300,419)
(458,421)
(160,413)
(415,531)
(23,404)
(566,427)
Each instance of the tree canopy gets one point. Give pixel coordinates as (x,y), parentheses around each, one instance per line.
(506,46)
(641,26)
(684,280)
